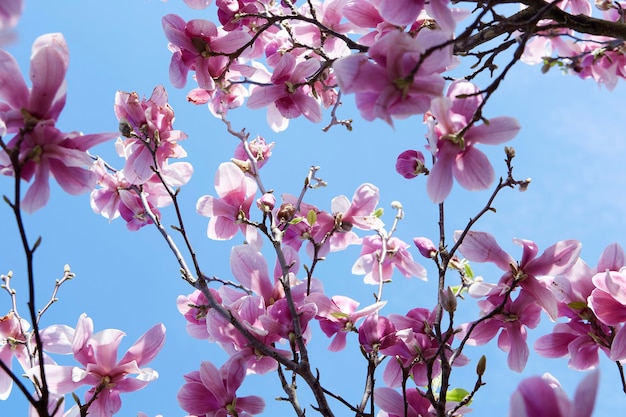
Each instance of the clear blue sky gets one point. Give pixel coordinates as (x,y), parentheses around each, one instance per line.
(571,144)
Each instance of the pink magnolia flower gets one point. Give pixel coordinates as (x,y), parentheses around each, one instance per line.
(260,150)
(516,316)
(387,81)
(12,343)
(198,45)
(236,192)
(46,98)
(396,256)
(213,392)
(392,403)
(338,316)
(544,397)
(289,95)
(454,147)
(555,260)
(97,353)
(44,151)
(608,302)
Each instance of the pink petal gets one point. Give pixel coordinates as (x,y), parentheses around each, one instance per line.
(47,73)
(585,396)
(13,89)
(618,346)
(499,130)
(251,404)
(473,170)
(401,12)
(146,347)
(554,345)
(250,269)
(38,193)
(612,258)
(556,260)
(439,182)
(465,106)
(482,247)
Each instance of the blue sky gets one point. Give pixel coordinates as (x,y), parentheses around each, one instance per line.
(571,144)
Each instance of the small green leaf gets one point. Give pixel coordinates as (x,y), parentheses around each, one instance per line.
(311,217)
(379,212)
(339,315)
(577,305)
(296,220)
(457,395)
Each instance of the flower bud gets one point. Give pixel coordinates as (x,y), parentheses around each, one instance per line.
(448,300)
(426,247)
(410,164)
(266,202)
(286,212)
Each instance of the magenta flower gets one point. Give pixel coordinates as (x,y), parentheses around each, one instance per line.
(384,81)
(608,302)
(396,256)
(454,147)
(392,403)
(338,316)
(288,96)
(516,316)
(44,151)
(101,369)
(544,397)
(213,392)
(555,260)
(236,192)
(12,343)
(198,45)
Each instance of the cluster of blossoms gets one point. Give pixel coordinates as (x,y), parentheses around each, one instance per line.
(600,58)
(297,61)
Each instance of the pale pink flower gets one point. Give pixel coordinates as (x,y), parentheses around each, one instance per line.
(46,98)
(394,404)
(396,256)
(544,397)
(213,392)
(288,96)
(97,352)
(227,213)
(12,343)
(454,147)
(259,148)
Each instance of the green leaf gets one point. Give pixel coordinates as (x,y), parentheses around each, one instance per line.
(379,212)
(457,395)
(468,271)
(577,305)
(311,217)
(296,220)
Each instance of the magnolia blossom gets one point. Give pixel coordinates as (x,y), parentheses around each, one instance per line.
(227,213)
(387,81)
(395,256)
(453,143)
(213,392)
(288,96)
(198,45)
(44,150)
(10,11)
(544,397)
(97,353)
(555,260)
(12,343)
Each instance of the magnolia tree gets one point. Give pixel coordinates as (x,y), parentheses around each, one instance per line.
(439,64)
